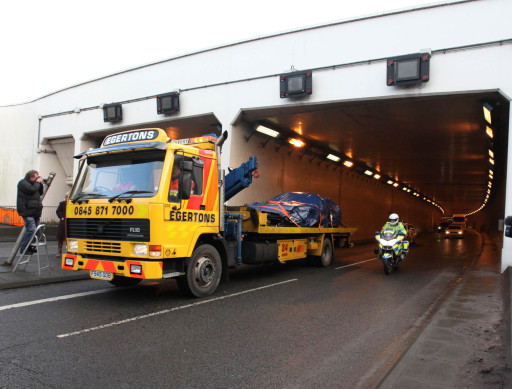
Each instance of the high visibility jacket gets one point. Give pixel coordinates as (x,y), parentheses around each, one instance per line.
(398,228)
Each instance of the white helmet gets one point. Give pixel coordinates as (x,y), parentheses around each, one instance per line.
(393,219)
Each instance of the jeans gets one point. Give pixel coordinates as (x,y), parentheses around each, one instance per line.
(31,224)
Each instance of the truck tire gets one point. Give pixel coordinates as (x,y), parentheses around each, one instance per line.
(204,271)
(124,281)
(325,259)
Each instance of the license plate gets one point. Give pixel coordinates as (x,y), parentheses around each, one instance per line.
(102,275)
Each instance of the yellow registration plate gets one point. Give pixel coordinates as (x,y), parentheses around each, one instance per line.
(102,275)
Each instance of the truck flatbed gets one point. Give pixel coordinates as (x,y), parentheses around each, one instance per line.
(256,222)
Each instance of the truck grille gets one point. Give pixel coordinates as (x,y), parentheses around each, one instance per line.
(133,230)
(103,247)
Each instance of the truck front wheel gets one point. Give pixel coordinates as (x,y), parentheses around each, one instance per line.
(203,272)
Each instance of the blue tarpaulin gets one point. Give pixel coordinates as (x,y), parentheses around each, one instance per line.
(300,209)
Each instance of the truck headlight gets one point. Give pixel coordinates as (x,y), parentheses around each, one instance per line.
(73,246)
(140,249)
(135,269)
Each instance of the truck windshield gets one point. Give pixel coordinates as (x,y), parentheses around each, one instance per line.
(135,173)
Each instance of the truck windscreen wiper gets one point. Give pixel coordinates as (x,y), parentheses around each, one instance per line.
(130,192)
(83,194)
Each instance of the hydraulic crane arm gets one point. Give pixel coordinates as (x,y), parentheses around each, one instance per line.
(240,178)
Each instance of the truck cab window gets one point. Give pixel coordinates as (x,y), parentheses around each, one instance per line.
(196,176)
(108,175)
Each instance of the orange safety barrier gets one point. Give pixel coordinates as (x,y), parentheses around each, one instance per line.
(10,216)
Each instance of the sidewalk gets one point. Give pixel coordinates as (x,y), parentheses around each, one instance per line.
(467,342)
(28,275)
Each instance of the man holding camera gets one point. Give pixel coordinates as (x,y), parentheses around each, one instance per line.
(29,206)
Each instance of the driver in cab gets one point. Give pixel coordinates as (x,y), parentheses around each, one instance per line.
(175,182)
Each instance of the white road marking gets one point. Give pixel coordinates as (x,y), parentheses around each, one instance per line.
(354,264)
(116,323)
(52,299)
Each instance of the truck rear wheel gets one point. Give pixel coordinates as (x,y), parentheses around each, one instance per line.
(325,259)
(203,272)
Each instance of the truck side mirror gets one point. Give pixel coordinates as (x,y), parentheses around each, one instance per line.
(185,180)
(185,186)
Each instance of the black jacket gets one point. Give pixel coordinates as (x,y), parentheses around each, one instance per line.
(29,202)
(61,214)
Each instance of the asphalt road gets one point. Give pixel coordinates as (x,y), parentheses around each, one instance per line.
(279,326)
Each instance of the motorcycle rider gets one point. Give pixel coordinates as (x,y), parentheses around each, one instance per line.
(397,227)
(394,225)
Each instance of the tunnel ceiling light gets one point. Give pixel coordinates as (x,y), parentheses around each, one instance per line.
(296,84)
(376,176)
(267,131)
(168,103)
(491,153)
(368,172)
(489,132)
(404,188)
(408,69)
(389,182)
(348,163)
(491,161)
(396,184)
(296,142)
(112,112)
(333,157)
(408,190)
(487,112)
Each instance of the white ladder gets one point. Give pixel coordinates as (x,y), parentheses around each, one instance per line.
(39,236)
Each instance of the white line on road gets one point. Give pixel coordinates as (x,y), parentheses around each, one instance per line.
(354,264)
(51,299)
(116,323)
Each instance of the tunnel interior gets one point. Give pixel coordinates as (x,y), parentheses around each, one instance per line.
(439,149)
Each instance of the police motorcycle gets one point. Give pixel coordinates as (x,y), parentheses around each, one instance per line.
(393,248)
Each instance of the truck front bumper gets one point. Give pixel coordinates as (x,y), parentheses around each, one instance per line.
(129,268)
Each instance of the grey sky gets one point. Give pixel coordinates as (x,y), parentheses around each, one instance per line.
(52,44)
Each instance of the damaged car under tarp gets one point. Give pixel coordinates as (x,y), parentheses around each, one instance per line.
(300,209)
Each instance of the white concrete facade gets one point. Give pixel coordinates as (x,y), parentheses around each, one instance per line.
(471,44)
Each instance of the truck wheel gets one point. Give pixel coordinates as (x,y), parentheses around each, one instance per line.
(124,281)
(325,259)
(204,270)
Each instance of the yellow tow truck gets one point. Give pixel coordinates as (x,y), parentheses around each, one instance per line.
(147,207)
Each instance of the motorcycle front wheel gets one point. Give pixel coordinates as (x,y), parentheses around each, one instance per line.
(387,266)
